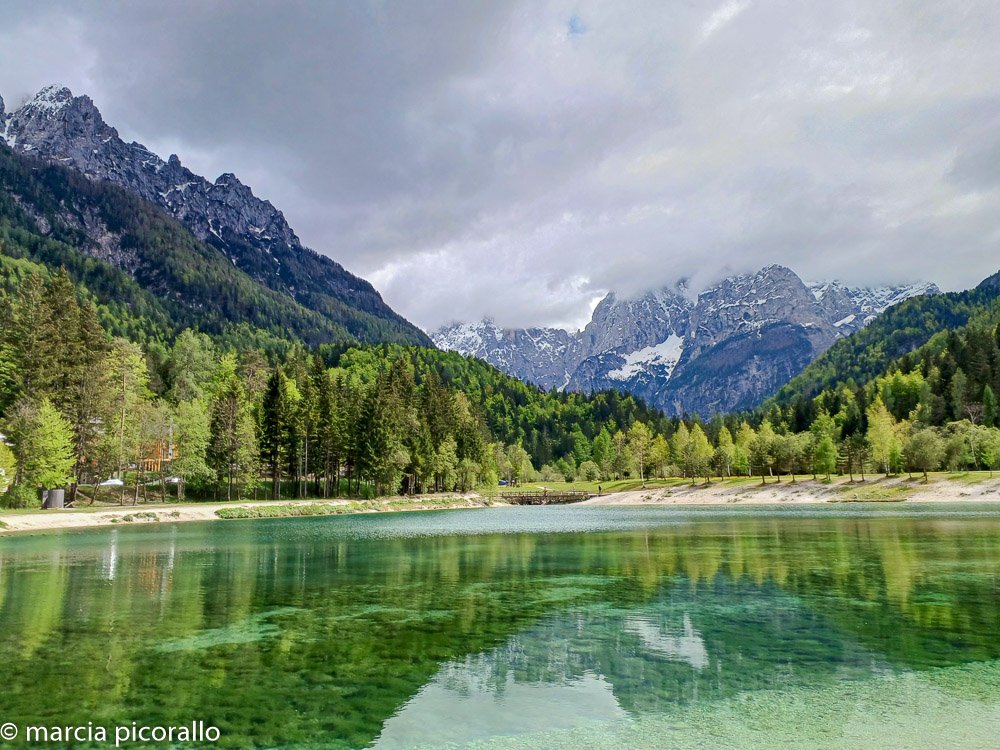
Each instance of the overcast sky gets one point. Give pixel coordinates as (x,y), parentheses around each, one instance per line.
(519,159)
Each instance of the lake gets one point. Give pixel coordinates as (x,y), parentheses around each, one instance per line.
(849,626)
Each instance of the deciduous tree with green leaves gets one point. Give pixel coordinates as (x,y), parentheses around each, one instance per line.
(883,436)
(8,467)
(924,450)
(43,444)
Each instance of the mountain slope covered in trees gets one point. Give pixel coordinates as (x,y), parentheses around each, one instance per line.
(155,275)
(224,219)
(869,352)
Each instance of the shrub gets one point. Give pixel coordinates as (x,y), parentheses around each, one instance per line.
(19,496)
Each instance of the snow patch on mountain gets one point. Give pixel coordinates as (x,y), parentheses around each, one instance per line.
(664,355)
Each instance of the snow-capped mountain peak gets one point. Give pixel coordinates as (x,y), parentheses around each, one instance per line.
(50,99)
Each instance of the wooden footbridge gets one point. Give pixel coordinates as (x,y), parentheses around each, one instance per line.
(544,497)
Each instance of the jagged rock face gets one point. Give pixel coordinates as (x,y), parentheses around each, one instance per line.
(749,303)
(739,372)
(736,345)
(69,130)
(628,325)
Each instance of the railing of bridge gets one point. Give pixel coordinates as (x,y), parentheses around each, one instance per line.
(544,497)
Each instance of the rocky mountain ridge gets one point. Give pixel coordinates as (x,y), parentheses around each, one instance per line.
(730,348)
(252,233)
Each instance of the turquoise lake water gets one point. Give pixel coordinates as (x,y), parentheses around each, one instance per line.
(852,626)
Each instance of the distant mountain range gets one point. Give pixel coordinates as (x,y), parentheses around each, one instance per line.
(727,349)
(249,233)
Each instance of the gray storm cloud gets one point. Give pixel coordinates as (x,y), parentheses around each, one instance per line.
(518,159)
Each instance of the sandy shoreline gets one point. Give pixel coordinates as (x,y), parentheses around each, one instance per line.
(129,515)
(745,492)
(891,491)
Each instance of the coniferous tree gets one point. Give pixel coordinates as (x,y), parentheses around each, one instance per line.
(278,433)
(990,407)
(190,366)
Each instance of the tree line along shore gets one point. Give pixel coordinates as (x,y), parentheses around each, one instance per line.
(192,418)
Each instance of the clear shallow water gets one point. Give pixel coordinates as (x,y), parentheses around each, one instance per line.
(844,627)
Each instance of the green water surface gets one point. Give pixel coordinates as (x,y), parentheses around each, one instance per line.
(562,627)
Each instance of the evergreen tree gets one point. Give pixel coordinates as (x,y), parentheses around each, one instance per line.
(278,434)
(190,366)
(959,394)
(990,407)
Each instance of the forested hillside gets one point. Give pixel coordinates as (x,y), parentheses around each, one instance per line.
(149,272)
(870,351)
(78,405)
(916,390)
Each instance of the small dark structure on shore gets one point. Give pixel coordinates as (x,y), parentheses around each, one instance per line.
(544,497)
(53,499)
